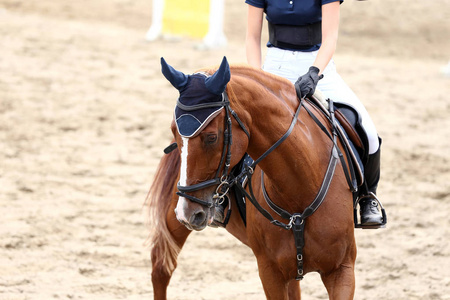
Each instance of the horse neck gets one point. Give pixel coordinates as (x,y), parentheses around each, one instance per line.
(269,105)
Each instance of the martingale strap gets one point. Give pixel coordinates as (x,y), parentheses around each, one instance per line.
(296,220)
(250,169)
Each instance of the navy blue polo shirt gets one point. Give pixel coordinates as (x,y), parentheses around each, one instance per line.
(292,12)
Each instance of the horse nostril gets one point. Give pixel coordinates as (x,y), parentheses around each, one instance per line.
(198,218)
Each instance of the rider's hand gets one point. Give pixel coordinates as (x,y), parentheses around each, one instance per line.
(306,84)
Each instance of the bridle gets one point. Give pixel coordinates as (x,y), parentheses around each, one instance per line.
(221,180)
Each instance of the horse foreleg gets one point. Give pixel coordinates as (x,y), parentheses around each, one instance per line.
(162,268)
(340,283)
(274,284)
(160,279)
(294,290)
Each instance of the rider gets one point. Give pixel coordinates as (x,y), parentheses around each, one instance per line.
(302,40)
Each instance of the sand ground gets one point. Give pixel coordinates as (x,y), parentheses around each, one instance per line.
(85,114)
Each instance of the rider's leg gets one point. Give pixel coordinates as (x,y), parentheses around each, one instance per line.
(370,215)
(332,86)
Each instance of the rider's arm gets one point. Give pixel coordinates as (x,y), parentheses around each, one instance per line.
(253,37)
(330,28)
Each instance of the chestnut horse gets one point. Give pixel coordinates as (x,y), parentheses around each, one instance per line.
(263,118)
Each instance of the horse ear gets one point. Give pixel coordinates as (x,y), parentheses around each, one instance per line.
(217,83)
(176,78)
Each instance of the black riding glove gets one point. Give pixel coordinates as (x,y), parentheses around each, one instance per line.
(306,84)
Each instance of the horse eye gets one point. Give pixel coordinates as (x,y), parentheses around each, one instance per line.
(211,139)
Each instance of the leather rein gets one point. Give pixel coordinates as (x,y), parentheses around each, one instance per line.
(225,181)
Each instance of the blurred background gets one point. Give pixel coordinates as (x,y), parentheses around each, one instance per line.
(85,115)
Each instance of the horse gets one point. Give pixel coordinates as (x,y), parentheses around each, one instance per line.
(244,110)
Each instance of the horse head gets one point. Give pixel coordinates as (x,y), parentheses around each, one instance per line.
(202,129)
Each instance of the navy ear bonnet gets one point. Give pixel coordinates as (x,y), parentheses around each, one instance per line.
(201,97)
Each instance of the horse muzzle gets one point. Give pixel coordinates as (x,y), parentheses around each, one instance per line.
(193,216)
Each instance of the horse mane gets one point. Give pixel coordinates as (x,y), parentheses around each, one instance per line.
(158,201)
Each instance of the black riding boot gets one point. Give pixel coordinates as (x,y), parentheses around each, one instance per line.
(370,214)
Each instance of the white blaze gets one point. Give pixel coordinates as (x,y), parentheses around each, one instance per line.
(183,179)
(184,154)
